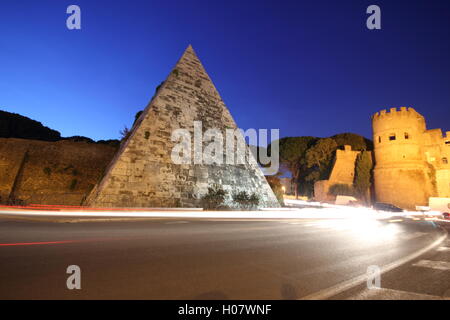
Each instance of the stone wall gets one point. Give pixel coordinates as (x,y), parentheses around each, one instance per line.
(344,166)
(405,187)
(60,172)
(343,172)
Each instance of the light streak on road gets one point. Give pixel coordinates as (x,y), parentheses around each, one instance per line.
(36,243)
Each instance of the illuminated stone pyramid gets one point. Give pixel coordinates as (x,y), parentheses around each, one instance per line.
(143,173)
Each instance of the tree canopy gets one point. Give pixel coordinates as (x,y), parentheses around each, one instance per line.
(292,155)
(309,159)
(363,174)
(356,141)
(13,125)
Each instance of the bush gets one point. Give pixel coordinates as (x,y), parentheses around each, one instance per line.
(125,133)
(246,201)
(254,200)
(241,198)
(340,189)
(215,198)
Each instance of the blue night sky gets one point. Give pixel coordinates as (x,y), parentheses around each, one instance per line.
(306,67)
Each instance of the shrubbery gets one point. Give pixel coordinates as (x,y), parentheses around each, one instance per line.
(215,198)
(340,189)
(246,201)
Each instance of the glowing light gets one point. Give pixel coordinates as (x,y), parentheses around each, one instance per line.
(309,210)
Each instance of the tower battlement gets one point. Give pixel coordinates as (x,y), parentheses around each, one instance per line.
(398,119)
(402,112)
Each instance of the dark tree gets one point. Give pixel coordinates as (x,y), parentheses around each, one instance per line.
(13,125)
(340,189)
(79,139)
(292,154)
(356,141)
(363,174)
(277,188)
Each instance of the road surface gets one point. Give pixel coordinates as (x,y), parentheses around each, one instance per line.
(218,259)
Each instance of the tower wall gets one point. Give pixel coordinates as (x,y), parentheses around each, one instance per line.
(343,173)
(402,176)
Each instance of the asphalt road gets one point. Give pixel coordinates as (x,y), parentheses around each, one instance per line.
(201,259)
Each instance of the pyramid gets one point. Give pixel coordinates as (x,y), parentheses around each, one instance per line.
(143,174)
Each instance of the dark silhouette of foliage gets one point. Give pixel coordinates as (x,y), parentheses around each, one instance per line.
(246,201)
(356,141)
(13,125)
(161,84)
(320,154)
(363,174)
(78,139)
(215,197)
(309,159)
(125,133)
(340,189)
(292,155)
(137,115)
(319,160)
(111,142)
(277,188)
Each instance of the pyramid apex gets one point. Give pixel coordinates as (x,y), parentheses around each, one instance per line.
(189,51)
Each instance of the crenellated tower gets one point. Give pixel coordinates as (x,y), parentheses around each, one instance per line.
(402,175)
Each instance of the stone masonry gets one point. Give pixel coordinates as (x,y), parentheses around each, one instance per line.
(412,162)
(142,173)
(343,172)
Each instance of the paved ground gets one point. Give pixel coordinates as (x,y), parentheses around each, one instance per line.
(192,259)
(424,278)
